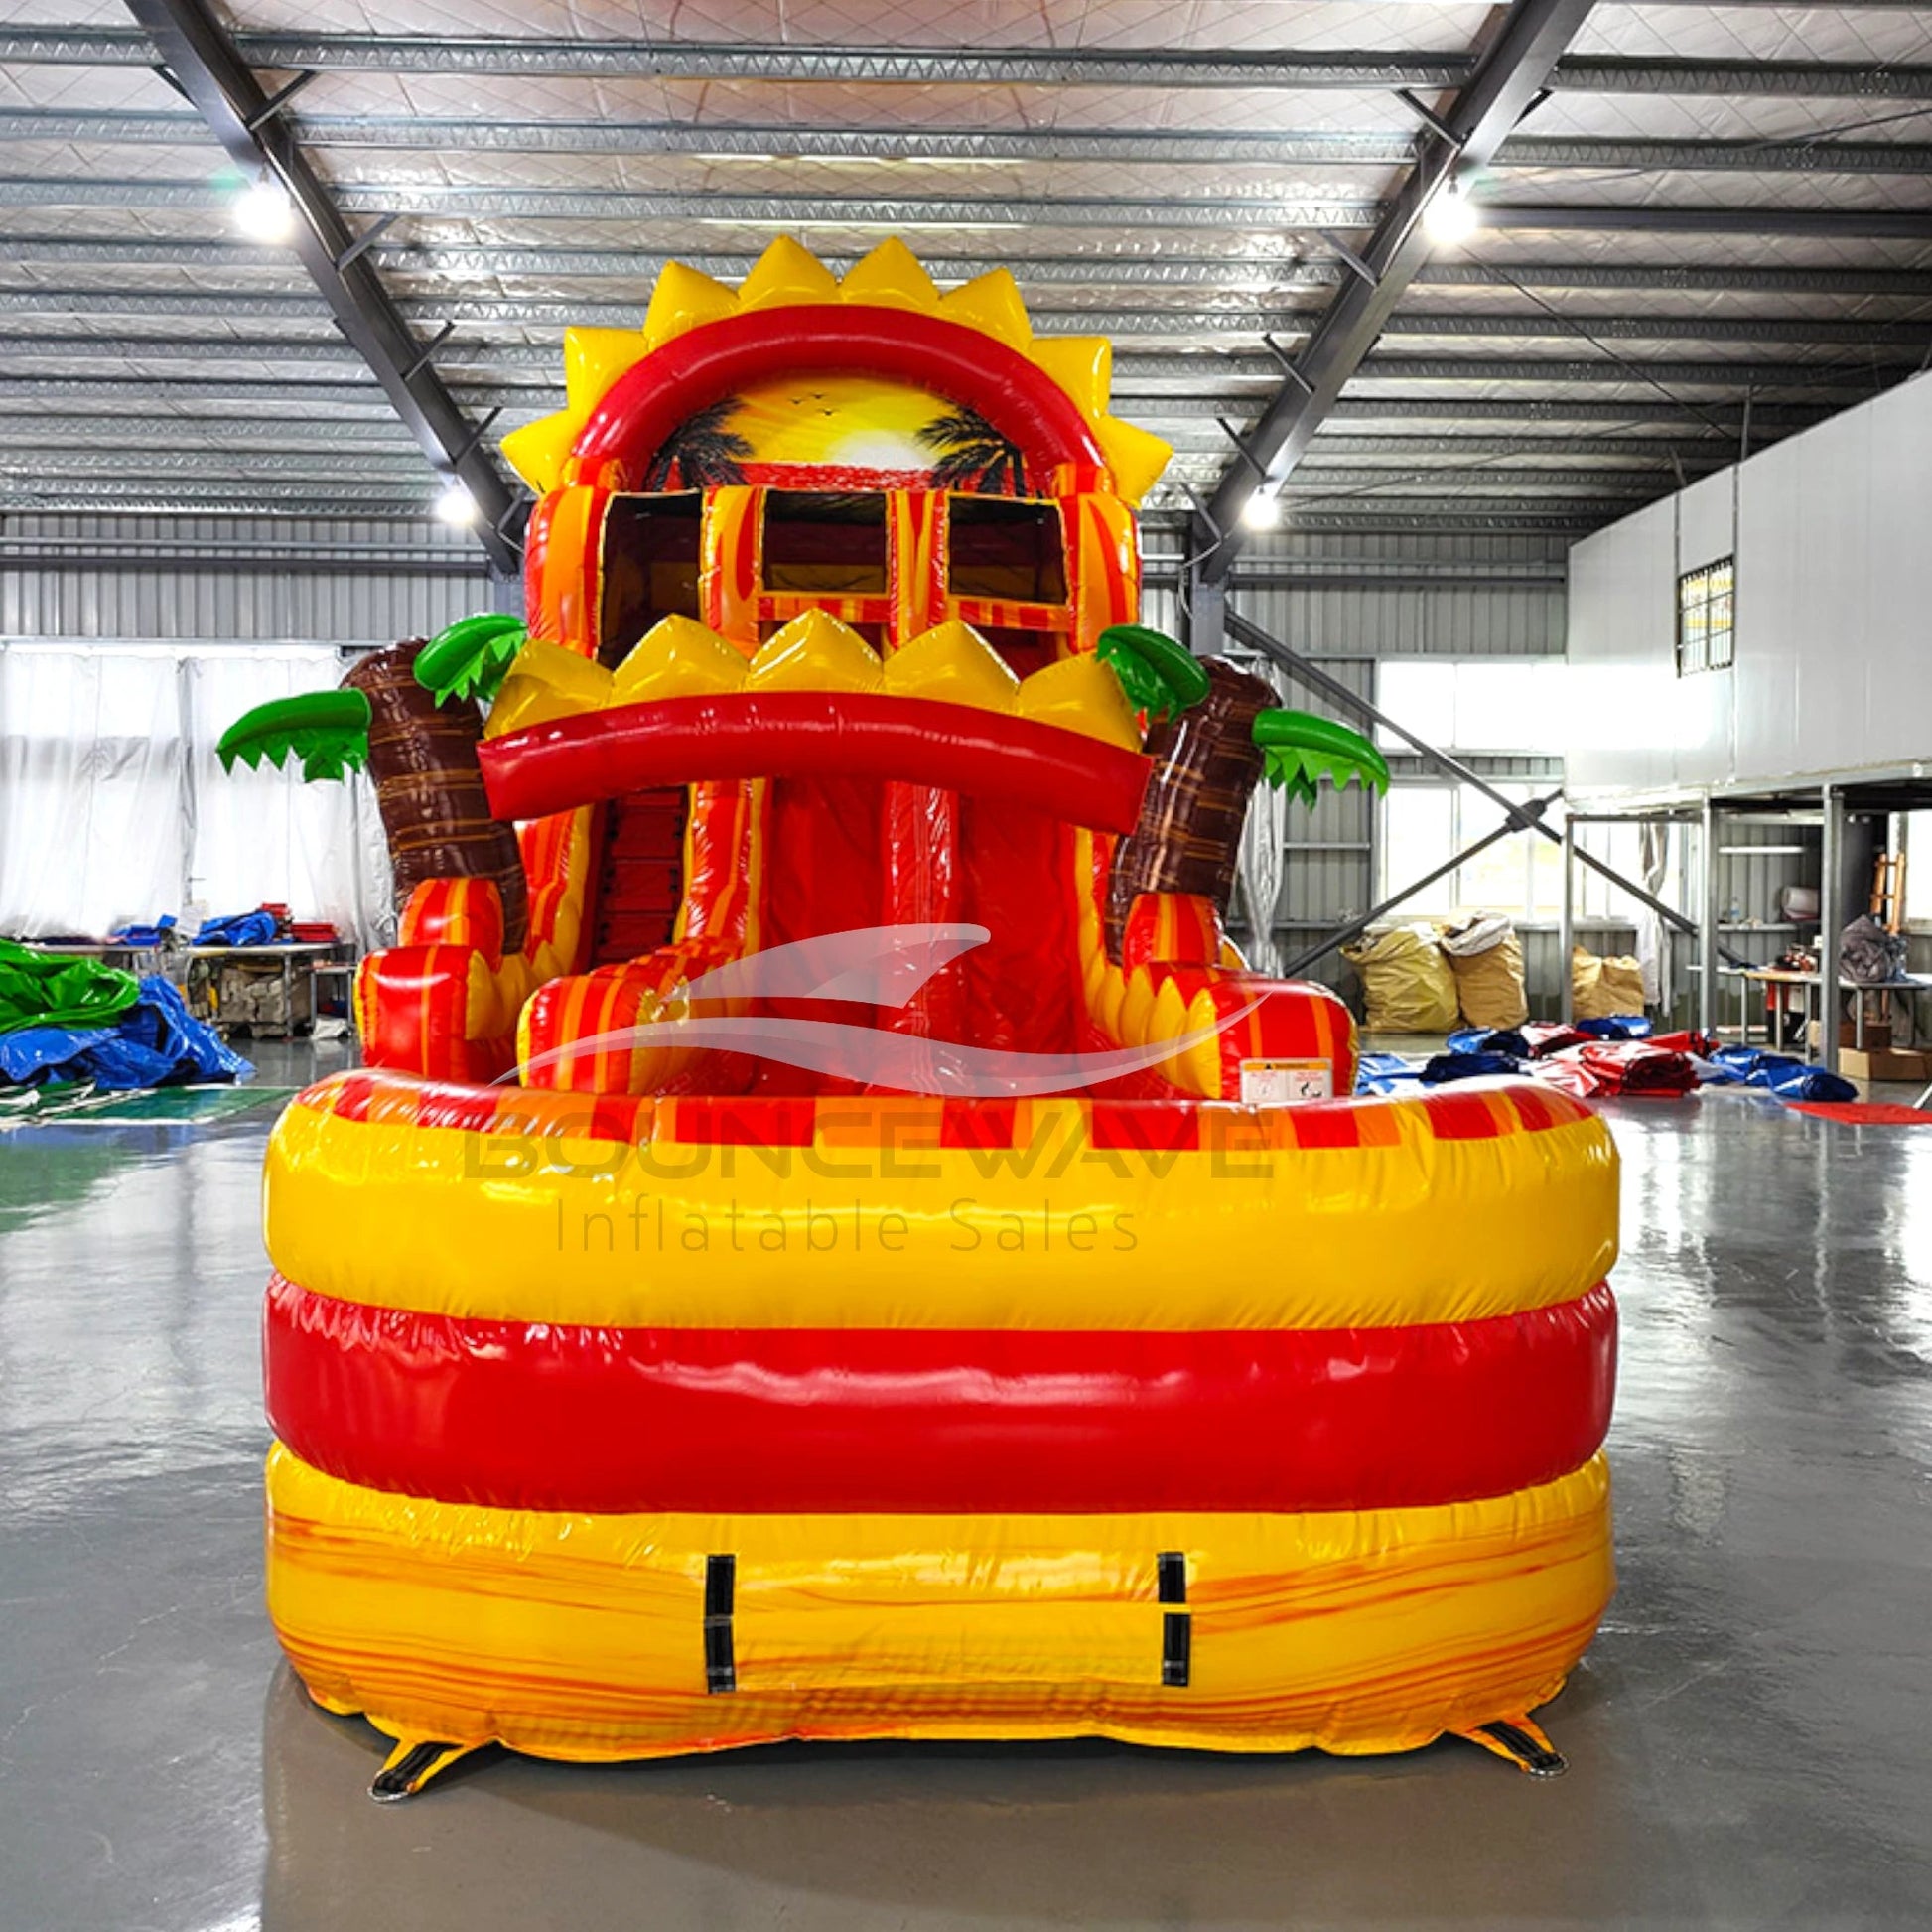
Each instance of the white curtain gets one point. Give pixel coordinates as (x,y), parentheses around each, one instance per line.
(113,806)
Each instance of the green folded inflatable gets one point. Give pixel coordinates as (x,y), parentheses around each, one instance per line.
(39,989)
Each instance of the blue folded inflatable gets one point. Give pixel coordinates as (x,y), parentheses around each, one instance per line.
(155,1042)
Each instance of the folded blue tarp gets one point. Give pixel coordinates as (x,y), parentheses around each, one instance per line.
(145,937)
(1620,1026)
(1489,1040)
(238,929)
(1778,1073)
(154,1042)
(1386,1073)
(1468,1066)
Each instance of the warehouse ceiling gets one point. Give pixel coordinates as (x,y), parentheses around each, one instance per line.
(1713,226)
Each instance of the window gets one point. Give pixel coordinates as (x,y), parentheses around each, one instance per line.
(1917,852)
(824,544)
(1425,824)
(1706,602)
(997,548)
(1516,705)
(651,567)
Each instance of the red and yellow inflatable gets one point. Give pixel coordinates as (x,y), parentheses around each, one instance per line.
(996,1362)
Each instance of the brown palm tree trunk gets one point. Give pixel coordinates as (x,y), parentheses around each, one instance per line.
(429,787)
(1207,767)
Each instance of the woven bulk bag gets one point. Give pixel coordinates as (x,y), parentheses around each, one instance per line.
(1602,988)
(1486,958)
(1406,984)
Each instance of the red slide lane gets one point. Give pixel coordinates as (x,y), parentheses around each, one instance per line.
(553,1417)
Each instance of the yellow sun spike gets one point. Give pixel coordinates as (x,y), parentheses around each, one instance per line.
(547,682)
(1136,456)
(683,299)
(678,657)
(787,273)
(815,651)
(1081,694)
(992,303)
(891,278)
(537,451)
(593,358)
(955,664)
(1084,365)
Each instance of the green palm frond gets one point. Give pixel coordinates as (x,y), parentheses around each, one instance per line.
(1159,675)
(329,731)
(1299,749)
(472,657)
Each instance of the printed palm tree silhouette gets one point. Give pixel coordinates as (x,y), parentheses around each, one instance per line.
(701,450)
(973,454)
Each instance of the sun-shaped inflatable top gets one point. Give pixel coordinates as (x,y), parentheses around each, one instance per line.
(788,275)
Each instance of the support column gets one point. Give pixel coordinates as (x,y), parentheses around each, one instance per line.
(1706,929)
(1831,922)
(1567,930)
(1206,615)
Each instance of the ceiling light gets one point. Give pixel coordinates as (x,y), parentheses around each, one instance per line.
(1451,218)
(264,211)
(456,505)
(1262,512)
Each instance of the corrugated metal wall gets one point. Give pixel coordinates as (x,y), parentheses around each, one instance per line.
(1347,601)
(338,581)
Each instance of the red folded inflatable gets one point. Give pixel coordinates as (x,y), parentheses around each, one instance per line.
(1601,1068)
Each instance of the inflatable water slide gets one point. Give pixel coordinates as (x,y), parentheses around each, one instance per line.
(829,1239)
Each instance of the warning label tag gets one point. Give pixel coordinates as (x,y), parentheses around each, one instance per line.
(1285,1084)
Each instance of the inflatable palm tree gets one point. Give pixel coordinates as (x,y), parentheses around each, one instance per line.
(409,715)
(1214,732)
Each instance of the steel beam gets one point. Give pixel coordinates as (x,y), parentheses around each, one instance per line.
(1617,74)
(543,357)
(1239,214)
(898,212)
(1507,77)
(558,311)
(118,427)
(1198,372)
(1821,224)
(561,311)
(1720,372)
(221,88)
(1232,274)
(1328,479)
(1855,329)
(1008,66)
(119,391)
(401,468)
(788,141)
(115,493)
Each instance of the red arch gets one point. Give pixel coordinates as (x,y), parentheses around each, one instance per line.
(961,364)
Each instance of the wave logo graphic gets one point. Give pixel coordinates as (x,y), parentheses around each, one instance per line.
(878,966)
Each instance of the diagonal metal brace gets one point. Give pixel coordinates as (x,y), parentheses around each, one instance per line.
(1340,937)
(1245,631)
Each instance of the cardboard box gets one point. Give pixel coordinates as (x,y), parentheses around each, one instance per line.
(1884,1064)
(1877,1036)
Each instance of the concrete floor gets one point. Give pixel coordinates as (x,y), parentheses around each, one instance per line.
(1748,1739)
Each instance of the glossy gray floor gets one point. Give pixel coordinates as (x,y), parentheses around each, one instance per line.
(1750,1739)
